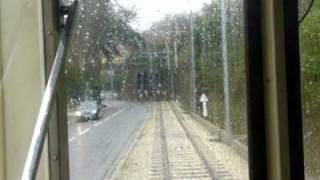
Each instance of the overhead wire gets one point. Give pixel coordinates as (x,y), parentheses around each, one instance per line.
(307,12)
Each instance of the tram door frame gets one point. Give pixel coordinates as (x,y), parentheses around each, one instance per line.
(275,132)
(58,124)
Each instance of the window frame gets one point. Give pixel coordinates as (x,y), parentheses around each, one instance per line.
(261,144)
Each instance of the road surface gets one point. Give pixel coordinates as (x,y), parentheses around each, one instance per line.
(95,146)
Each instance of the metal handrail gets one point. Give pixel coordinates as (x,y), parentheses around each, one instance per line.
(41,127)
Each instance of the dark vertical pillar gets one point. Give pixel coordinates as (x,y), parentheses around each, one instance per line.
(255,92)
(274,122)
(292,52)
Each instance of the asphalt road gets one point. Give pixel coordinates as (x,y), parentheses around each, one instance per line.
(95,146)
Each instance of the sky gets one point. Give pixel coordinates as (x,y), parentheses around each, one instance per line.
(149,11)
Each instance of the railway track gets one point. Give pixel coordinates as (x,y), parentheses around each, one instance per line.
(178,157)
(171,148)
(218,169)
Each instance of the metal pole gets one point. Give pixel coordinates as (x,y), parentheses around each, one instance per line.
(227,123)
(175,45)
(111,81)
(175,61)
(41,127)
(193,73)
(170,73)
(40,130)
(150,57)
(175,68)
(175,54)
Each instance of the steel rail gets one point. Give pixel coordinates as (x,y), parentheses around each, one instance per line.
(41,127)
(193,143)
(167,174)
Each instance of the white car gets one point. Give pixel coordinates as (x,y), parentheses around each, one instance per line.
(88,110)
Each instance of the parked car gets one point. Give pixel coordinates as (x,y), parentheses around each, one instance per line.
(88,110)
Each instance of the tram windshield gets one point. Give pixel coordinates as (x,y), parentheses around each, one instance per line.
(159,89)
(169,80)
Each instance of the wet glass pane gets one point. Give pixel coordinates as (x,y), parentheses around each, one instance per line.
(310,54)
(156,90)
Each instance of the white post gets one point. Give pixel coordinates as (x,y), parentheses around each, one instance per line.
(204,100)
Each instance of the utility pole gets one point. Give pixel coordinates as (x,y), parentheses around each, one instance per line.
(227,123)
(175,68)
(170,73)
(176,63)
(111,81)
(150,57)
(193,73)
(175,54)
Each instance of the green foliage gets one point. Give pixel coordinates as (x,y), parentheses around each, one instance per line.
(310,62)
(98,33)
